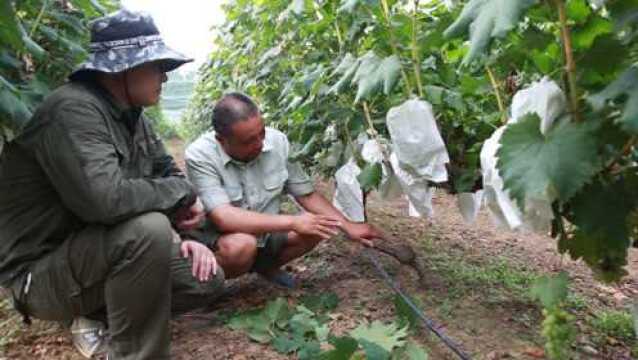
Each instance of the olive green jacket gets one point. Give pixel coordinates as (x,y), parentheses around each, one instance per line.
(82,160)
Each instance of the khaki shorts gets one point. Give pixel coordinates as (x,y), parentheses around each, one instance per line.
(269,246)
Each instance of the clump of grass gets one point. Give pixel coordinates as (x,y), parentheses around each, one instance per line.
(616,324)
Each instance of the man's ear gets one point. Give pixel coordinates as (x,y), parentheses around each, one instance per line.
(220,139)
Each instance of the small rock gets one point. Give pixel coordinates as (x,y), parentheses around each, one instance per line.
(587,349)
(497,355)
(535,352)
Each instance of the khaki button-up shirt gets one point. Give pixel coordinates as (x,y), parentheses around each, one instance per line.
(256,185)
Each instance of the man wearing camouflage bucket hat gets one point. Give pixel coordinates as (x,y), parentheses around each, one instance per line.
(89,200)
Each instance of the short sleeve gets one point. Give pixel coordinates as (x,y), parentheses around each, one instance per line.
(207,182)
(298,182)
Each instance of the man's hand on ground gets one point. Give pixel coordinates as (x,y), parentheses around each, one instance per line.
(322,226)
(204,262)
(192,217)
(363,233)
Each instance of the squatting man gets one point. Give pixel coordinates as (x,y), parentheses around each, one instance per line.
(240,171)
(98,224)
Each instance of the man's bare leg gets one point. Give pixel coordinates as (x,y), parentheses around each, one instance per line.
(296,246)
(236,253)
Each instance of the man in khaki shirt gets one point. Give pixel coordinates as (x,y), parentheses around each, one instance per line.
(240,170)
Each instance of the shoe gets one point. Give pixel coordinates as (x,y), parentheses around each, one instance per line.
(89,336)
(281,278)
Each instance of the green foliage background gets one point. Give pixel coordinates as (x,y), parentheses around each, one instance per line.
(40,43)
(342,64)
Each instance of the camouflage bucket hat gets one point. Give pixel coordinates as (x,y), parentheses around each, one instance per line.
(124,40)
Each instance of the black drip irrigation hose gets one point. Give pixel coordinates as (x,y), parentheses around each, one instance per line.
(429,324)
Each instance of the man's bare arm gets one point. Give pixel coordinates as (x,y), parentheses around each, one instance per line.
(318,204)
(361,232)
(231,219)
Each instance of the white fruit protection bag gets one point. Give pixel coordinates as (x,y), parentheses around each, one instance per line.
(547,100)
(348,196)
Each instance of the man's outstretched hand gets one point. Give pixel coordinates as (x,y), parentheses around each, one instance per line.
(363,233)
(322,226)
(204,262)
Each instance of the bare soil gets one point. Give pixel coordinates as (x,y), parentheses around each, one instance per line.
(470,290)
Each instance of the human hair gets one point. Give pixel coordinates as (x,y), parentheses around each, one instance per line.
(231,108)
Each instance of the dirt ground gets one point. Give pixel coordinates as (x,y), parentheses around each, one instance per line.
(474,290)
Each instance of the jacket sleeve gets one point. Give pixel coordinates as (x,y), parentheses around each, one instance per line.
(78,156)
(163,164)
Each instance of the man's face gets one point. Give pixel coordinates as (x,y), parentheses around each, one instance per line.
(145,84)
(246,139)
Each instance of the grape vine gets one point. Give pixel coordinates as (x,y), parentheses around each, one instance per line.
(332,67)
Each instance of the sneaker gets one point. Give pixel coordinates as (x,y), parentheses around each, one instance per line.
(89,336)
(281,278)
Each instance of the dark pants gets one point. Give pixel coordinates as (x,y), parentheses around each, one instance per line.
(132,269)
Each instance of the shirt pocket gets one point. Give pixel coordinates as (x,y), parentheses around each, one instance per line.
(235,195)
(274,181)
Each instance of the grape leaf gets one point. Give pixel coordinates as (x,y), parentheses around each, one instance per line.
(595,64)
(348,5)
(578,10)
(9,32)
(555,165)
(303,322)
(389,72)
(344,348)
(259,334)
(601,211)
(374,72)
(348,67)
(277,311)
(285,344)
(345,64)
(374,351)
(366,77)
(370,176)
(583,37)
(12,109)
(259,323)
(414,352)
(550,290)
(32,47)
(487,19)
(407,316)
(386,337)
(320,302)
(604,257)
(309,349)
(626,85)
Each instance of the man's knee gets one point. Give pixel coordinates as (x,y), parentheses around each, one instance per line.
(212,288)
(150,234)
(237,248)
(191,294)
(153,225)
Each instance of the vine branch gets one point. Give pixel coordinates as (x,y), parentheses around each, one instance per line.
(37,21)
(415,51)
(570,64)
(499,100)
